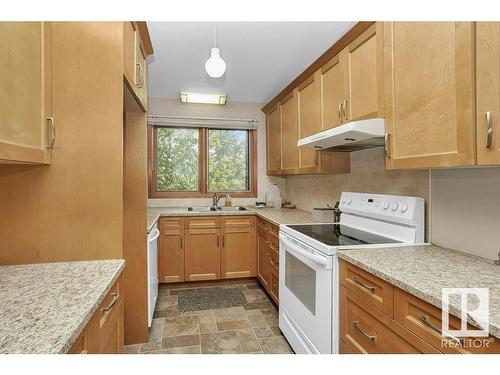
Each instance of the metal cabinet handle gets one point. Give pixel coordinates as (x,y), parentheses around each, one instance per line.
(141,69)
(340,111)
(316,158)
(52,131)
(344,110)
(424,319)
(223,242)
(489,132)
(112,304)
(368,287)
(217,240)
(386,146)
(369,337)
(182,240)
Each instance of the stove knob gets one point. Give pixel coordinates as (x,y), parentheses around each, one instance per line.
(404,207)
(386,205)
(349,200)
(394,206)
(343,199)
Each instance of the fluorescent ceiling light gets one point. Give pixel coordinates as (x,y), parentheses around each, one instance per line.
(190,97)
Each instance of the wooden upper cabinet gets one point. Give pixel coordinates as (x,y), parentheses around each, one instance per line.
(238,258)
(364,75)
(171,250)
(26,124)
(488,92)
(429,94)
(135,64)
(289,133)
(333,92)
(273,141)
(309,101)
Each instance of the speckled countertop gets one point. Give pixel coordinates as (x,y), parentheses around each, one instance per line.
(424,270)
(45,307)
(276,216)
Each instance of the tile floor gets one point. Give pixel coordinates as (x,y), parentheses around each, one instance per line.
(252,328)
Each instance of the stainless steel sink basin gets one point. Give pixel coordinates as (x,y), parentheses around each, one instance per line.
(201,209)
(235,208)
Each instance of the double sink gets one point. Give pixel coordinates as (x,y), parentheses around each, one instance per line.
(209,209)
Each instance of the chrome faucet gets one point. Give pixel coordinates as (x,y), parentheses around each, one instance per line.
(215,199)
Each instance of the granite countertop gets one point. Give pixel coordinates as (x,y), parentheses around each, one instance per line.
(45,307)
(274,215)
(423,270)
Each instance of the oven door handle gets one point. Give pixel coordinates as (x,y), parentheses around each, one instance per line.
(292,248)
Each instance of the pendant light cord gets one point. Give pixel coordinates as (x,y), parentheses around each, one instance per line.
(215,36)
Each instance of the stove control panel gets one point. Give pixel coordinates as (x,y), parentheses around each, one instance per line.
(393,208)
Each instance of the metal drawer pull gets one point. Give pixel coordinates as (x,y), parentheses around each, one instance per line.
(344,106)
(274,264)
(423,319)
(369,337)
(141,69)
(489,133)
(222,240)
(386,146)
(52,131)
(112,304)
(369,287)
(340,111)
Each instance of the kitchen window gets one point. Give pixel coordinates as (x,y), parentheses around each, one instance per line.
(198,162)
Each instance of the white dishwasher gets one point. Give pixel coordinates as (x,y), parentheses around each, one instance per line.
(152,272)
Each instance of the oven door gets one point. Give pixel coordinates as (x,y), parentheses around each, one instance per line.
(305,290)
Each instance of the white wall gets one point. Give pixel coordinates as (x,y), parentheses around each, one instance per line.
(173,107)
(466,210)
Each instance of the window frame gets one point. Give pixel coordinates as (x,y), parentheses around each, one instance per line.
(202,167)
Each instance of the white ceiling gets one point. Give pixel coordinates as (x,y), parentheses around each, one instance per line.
(262,57)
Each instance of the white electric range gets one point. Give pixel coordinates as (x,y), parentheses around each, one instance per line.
(308,280)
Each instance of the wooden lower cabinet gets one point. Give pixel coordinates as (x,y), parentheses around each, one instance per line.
(238,257)
(202,259)
(104,334)
(171,250)
(268,257)
(377,317)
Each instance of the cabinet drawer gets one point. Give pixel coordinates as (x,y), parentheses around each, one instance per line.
(424,320)
(171,225)
(203,222)
(274,231)
(364,329)
(238,221)
(81,345)
(372,289)
(274,289)
(274,253)
(261,223)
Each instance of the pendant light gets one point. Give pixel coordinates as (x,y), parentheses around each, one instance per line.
(215,66)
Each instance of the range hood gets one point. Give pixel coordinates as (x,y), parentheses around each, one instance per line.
(353,136)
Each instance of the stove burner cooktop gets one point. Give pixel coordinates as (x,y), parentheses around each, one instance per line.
(340,235)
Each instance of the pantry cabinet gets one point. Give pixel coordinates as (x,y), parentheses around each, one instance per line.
(488,92)
(27,128)
(429,94)
(238,257)
(171,250)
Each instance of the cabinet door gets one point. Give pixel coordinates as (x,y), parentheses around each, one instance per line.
(129,50)
(25,92)
(289,134)
(263,266)
(111,334)
(363,76)
(309,100)
(429,92)
(238,248)
(171,250)
(202,256)
(333,92)
(488,92)
(273,141)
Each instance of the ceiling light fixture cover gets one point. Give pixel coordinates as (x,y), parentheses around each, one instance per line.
(190,97)
(215,66)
